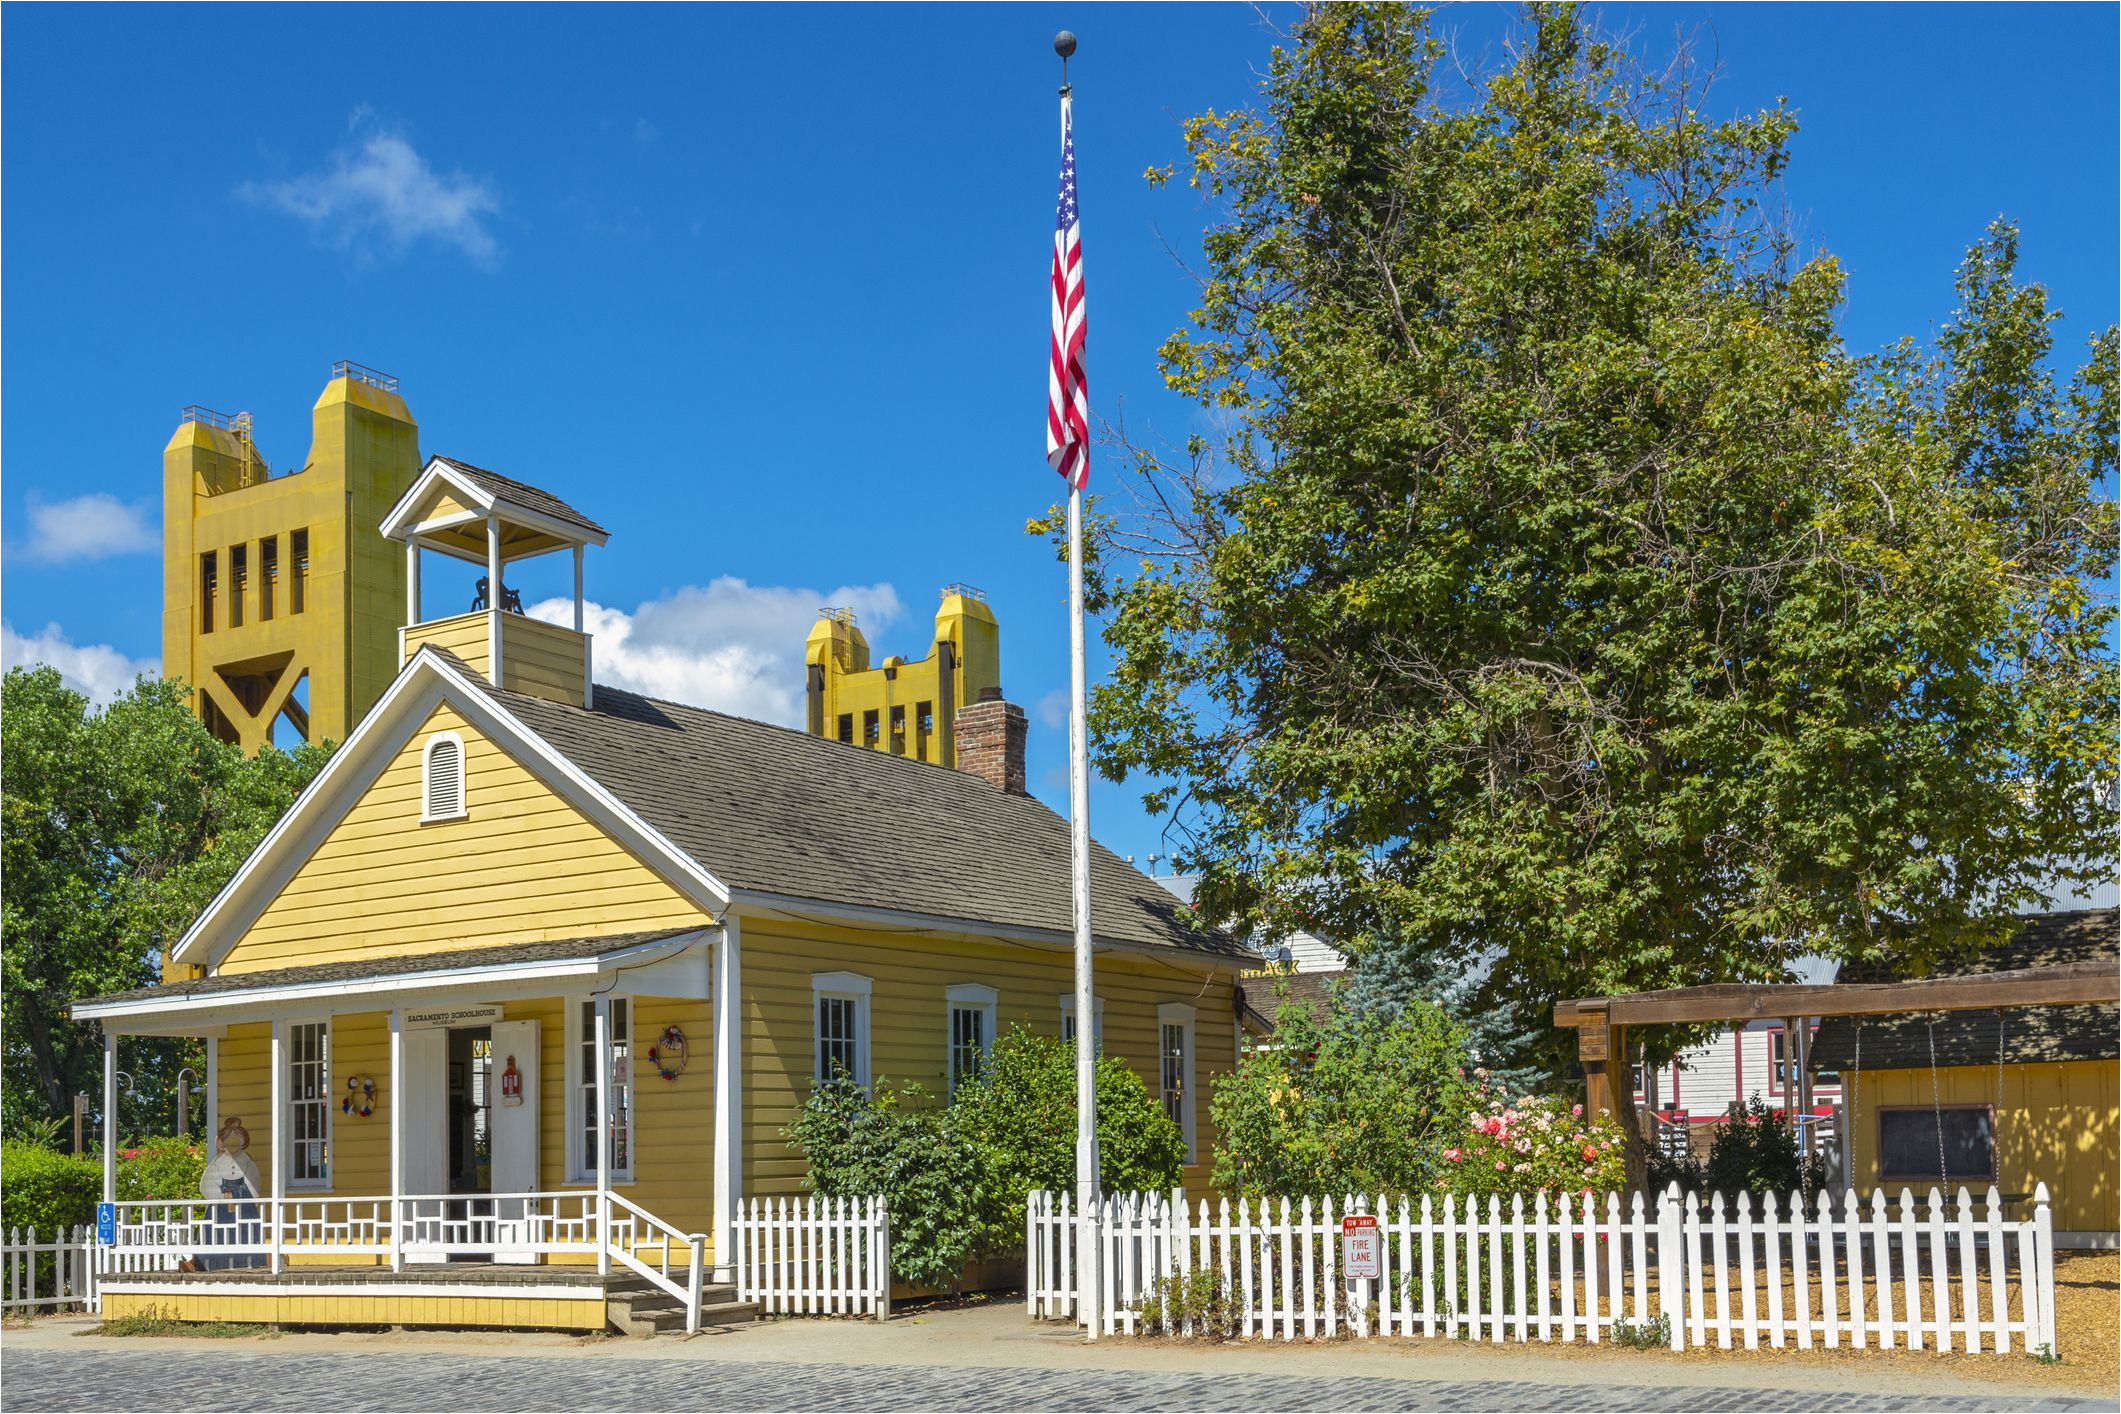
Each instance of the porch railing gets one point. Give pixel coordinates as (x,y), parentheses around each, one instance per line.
(411,1228)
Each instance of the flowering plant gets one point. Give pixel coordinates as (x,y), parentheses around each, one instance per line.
(1527,1143)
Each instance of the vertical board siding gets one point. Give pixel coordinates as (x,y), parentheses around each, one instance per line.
(2060,1123)
(523,866)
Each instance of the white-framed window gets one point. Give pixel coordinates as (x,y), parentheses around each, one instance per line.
(442,778)
(971,1035)
(1174,1067)
(582,1090)
(839,1011)
(1097,1024)
(309,1097)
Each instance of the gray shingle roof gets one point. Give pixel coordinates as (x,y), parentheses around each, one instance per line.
(375,967)
(770,810)
(1313,991)
(2029,1035)
(507,488)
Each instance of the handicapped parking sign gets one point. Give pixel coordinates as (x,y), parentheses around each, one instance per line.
(107,1224)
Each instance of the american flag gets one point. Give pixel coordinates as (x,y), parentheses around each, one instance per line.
(1067,390)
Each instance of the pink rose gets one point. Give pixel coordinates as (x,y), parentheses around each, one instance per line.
(1500,1166)
(1576,1110)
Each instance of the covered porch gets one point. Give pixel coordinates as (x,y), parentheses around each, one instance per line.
(513,1135)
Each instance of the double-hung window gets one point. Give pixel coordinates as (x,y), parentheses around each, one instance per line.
(582,1089)
(840,1011)
(971,1009)
(309,1098)
(1174,1029)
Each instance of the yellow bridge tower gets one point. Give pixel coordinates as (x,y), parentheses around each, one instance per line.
(905,708)
(280,600)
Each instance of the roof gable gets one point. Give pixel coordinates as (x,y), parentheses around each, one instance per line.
(431,681)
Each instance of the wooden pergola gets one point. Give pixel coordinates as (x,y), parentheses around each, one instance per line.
(1602,1023)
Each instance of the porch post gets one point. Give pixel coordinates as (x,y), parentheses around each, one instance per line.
(278,1123)
(213,1096)
(728,1093)
(412,579)
(493,597)
(392,1098)
(577,588)
(110,1115)
(603,1054)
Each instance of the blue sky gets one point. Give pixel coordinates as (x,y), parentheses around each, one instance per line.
(763,288)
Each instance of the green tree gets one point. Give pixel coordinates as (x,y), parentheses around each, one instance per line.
(117,827)
(1564,592)
(1018,1113)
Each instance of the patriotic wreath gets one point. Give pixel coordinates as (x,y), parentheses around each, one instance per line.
(360,1100)
(667,1055)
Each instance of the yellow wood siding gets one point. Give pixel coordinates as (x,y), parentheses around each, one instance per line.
(463,635)
(541,659)
(2058,1124)
(909,1020)
(523,866)
(576,1313)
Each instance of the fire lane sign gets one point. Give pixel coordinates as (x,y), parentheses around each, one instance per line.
(1360,1259)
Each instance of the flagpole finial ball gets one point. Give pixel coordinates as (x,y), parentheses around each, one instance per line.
(1064,43)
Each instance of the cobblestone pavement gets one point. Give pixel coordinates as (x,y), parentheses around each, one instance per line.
(252,1379)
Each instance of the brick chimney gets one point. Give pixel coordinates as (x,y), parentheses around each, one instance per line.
(990,741)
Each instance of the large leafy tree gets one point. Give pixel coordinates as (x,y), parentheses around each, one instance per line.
(117,827)
(1564,598)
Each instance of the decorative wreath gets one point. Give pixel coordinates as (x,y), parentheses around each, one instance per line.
(668,1053)
(360,1101)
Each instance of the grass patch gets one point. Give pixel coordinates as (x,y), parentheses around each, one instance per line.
(164,1321)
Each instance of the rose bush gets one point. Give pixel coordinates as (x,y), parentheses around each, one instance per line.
(1529,1143)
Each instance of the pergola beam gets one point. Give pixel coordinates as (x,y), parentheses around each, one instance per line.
(2070,984)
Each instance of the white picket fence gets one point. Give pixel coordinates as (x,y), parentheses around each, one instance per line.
(58,1273)
(814,1255)
(1944,1273)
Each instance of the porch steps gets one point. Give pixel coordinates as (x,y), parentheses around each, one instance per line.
(635,1307)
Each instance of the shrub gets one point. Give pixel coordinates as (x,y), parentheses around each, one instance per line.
(164,1169)
(1198,1303)
(1018,1114)
(1359,1103)
(896,1144)
(1756,1151)
(1534,1143)
(45,1189)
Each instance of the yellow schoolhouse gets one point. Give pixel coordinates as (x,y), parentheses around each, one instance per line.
(515,900)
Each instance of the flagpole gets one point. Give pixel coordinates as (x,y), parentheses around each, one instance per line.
(1088,1283)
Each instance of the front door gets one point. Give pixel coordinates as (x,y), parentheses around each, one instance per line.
(512,1133)
(424,1092)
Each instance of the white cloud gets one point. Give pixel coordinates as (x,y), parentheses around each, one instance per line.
(731,646)
(1053,709)
(91,527)
(383,186)
(97,670)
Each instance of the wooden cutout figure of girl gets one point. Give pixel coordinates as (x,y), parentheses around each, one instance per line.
(227,1182)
